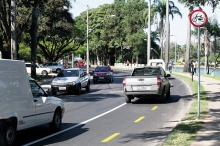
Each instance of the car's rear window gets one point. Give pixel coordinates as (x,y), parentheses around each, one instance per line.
(102,69)
(146,72)
(68,73)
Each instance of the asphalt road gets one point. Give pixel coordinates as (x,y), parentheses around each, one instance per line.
(101,117)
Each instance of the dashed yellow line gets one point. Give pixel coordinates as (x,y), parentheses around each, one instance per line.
(110,137)
(139,119)
(155,107)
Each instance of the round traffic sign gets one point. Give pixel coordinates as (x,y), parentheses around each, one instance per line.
(198,18)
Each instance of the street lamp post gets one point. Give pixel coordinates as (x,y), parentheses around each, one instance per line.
(175,46)
(167,34)
(87,38)
(149,33)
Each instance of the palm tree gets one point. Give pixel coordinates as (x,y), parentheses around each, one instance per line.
(159,8)
(188,44)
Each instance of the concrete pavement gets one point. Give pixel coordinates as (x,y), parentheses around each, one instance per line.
(209,135)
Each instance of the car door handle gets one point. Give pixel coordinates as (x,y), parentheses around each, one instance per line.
(35,100)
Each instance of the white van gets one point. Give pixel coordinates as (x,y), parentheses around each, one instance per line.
(156,62)
(23,102)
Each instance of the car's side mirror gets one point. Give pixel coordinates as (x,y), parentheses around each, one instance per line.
(168,75)
(49,93)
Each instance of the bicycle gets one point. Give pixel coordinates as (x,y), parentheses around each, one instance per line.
(200,18)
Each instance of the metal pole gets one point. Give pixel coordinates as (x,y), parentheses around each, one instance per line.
(149,31)
(198,71)
(13,32)
(87,36)
(175,49)
(167,34)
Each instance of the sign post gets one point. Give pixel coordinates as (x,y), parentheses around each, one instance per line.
(198,18)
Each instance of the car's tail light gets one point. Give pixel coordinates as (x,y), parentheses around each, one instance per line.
(158,81)
(124,82)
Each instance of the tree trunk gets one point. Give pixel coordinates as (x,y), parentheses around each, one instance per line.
(97,58)
(34,38)
(187,67)
(206,51)
(161,38)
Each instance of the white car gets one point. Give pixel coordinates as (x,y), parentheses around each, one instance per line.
(70,80)
(39,69)
(24,103)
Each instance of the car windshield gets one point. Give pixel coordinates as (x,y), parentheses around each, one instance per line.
(68,73)
(146,72)
(101,69)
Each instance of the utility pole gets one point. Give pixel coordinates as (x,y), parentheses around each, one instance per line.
(13,30)
(149,33)
(87,37)
(167,34)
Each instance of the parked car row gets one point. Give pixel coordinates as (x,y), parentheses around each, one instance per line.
(39,69)
(46,68)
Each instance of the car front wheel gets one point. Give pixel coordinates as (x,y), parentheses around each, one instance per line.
(88,87)
(57,120)
(8,136)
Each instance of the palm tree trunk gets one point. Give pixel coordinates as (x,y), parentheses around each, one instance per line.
(187,67)
(206,51)
(161,38)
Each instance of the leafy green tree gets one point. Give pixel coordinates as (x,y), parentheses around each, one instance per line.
(189,3)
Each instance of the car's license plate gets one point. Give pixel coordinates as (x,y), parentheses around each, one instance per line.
(141,88)
(62,88)
(101,77)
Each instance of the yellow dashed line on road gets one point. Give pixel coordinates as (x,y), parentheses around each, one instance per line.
(155,107)
(110,137)
(139,119)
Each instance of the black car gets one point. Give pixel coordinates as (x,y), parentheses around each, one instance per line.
(102,73)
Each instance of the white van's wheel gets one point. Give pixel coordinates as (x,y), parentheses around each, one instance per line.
(57,119)
(9,135)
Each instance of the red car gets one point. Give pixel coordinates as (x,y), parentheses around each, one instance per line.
(80,63)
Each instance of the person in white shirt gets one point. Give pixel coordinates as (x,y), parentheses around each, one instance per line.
(195,64)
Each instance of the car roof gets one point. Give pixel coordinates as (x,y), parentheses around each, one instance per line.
(75,68)
(149,67)
(102,66)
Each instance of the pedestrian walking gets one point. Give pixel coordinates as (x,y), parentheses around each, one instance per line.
(195,64)
(127,63)
(170,66)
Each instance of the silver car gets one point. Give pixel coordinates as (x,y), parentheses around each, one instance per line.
(56,67)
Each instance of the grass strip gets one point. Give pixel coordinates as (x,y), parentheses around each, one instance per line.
(185,132)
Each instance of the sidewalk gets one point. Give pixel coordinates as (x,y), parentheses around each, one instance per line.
(209,135)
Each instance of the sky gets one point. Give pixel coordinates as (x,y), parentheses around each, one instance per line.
(178,26)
